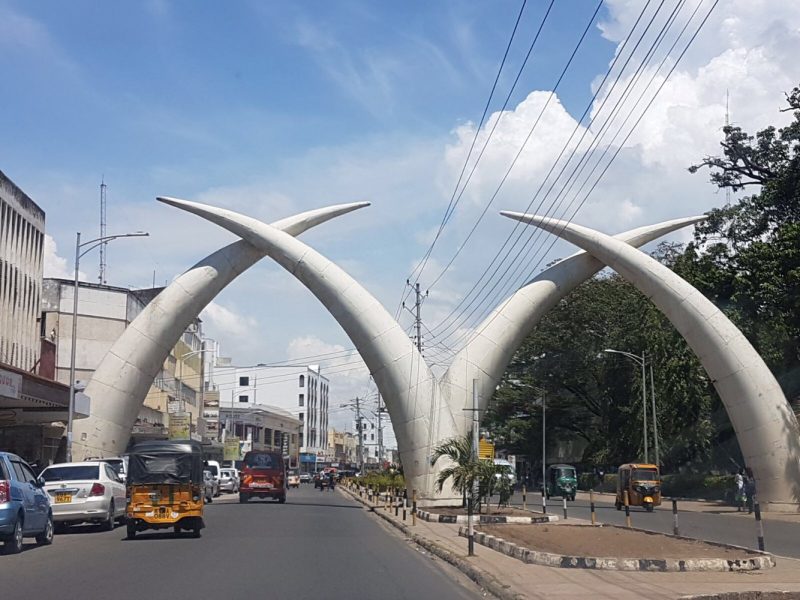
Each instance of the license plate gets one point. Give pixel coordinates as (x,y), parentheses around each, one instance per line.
(63,497)
(261,484)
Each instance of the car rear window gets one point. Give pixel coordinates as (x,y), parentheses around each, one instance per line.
(263,460)
(74,473)
(3,474)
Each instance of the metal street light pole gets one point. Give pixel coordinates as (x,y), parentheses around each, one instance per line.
(642,362)
(78,254)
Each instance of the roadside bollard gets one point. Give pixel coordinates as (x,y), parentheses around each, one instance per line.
(759,524)
(524,498)
(405,502)
(591,507)
(414,507)
(675,529)
(627,509)
(544,502)
(565,507)
(396,503)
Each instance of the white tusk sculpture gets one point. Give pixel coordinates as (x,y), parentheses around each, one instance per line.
(120,383)
(493,344)
(765,426)
(424,412)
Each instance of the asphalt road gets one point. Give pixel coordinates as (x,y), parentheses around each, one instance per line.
(725,525)
(319,545)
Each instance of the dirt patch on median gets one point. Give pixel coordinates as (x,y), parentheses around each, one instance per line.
(609,542)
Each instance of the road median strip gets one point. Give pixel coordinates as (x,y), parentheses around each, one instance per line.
(488,519)
(548,559)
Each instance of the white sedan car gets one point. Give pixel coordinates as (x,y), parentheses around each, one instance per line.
(85,492)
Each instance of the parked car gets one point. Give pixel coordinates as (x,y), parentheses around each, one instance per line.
(293,479)
(215,468)
(305,477)
(228,480)
(24,506)
(210,486)
(118,463)
(85,492)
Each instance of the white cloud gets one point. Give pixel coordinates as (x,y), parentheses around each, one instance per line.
(229,322)
(55,265)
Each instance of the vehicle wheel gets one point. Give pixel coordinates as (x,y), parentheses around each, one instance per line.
(122,520)
(131,530)
(14,544)
(649,508)
(46,537)
(176,529)
(210,499)
(618,505)
(108,524)
(281,499)
(243,498)
(196,529)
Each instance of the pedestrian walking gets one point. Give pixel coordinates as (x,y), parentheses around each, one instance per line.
(739,494)
(750,490)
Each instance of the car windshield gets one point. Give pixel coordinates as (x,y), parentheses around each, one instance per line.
(213,469)
(259,460)
(73,473)
(566,472)
(117,465)
(645,475)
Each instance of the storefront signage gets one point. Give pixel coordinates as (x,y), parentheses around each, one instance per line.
(10,384)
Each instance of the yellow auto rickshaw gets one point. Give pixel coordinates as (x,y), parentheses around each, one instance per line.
(642,482)
(165,487)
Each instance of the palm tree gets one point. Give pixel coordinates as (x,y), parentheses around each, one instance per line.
(465,469)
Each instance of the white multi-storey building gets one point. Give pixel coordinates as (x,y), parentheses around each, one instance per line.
(21,252)
(377,437)
(301,390)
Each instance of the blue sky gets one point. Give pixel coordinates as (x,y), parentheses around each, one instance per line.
(274,108)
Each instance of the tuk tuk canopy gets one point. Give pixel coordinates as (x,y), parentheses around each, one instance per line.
(165,462)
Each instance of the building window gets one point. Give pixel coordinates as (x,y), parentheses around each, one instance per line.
(244,381)
(301,399)
(302,381)
(302,416)
(244,398)
(372,437)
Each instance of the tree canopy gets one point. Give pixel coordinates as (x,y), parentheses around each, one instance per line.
(745,258)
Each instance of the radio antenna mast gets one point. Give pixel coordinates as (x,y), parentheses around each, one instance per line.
(102,273)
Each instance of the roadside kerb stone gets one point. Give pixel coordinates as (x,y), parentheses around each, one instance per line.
(750,595)
(483,578)
(548,559)
(488,519)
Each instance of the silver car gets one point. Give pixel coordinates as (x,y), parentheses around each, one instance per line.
(85,492)
(228,480)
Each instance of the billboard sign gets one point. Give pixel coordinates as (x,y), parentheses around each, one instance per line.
(180,426)
(232,450)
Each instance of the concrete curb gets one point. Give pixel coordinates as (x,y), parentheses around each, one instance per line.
(751,595)
(488,519)
(548,559)
(483,578)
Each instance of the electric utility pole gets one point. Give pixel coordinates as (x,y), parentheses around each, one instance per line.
(356,404)
(419,297)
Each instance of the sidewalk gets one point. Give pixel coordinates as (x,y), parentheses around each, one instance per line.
(509,578)
(708,506)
